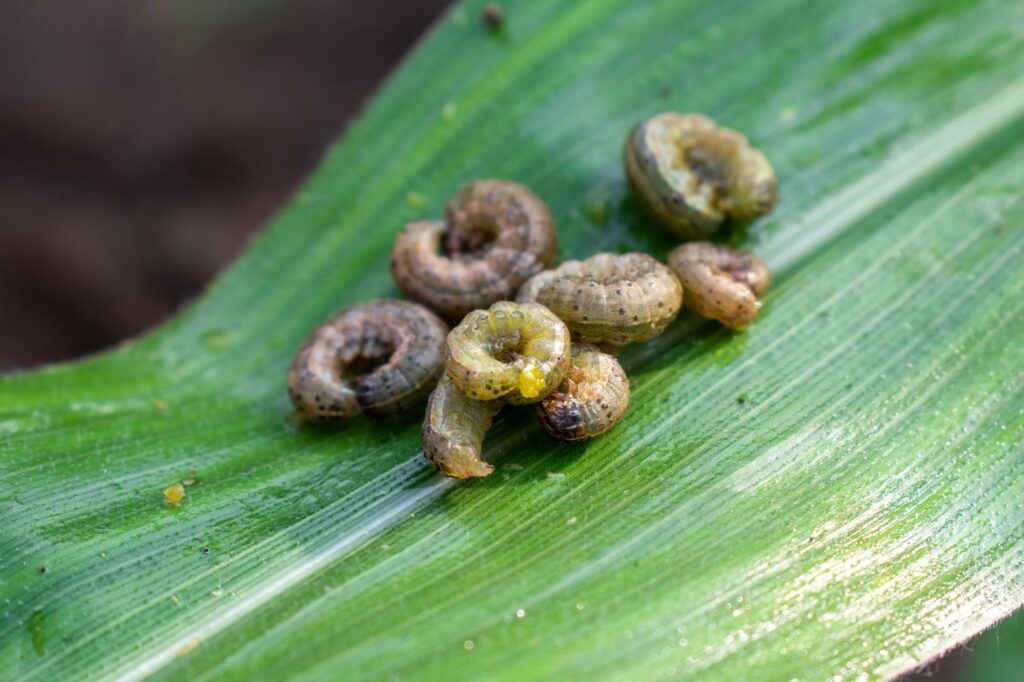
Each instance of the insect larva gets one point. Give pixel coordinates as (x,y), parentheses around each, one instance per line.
(496,235)
(380,357)
(609,299)
(518,352)
(690,175)
(590,400)
(721,282)
(454,429)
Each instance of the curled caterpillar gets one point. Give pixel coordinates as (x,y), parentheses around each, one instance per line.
(516,352)
(590,400)
(721,282)
(609,299)
(454,429)
(496,235)
(380,357)
(690,175)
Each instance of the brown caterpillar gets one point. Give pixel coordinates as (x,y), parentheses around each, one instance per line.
(609,299)
(690,175)
(721,282)
(590,400)
(380,357)
(518,352)
(495,236)
(454,429)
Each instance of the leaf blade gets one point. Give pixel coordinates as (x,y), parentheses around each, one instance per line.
(868,238)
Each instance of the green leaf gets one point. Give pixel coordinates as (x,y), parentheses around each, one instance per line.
(998,655)
(838,491)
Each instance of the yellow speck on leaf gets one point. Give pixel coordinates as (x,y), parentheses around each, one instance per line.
(531,381)
(187,647)
(174,494)
(159,404)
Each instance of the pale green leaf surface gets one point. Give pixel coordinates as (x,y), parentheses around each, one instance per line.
(837,491)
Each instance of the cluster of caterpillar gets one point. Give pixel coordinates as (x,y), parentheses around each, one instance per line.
(530,334)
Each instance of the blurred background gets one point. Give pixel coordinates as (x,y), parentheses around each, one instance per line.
(143,141)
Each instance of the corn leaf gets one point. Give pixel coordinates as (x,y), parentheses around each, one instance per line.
(836,493)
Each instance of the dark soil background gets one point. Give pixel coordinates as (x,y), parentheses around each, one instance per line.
(143,141)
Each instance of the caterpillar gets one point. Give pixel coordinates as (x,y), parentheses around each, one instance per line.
(690,175)
(380,357)
(518,352)
(590,400)
(495,236)
(454,429)
(608,299)
(721,282)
